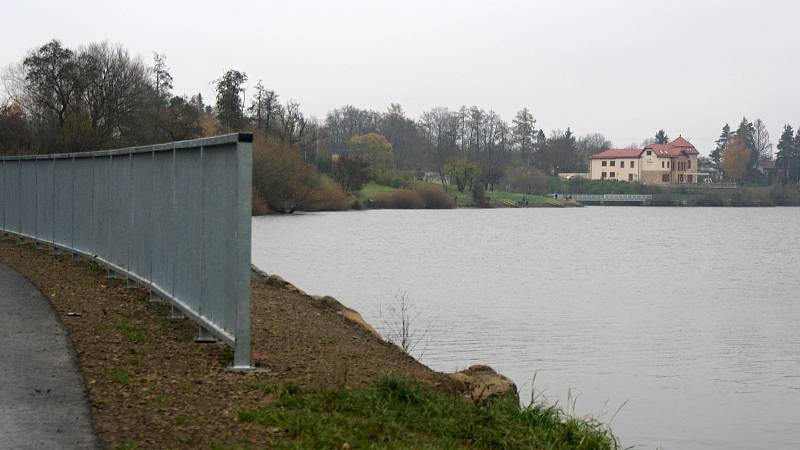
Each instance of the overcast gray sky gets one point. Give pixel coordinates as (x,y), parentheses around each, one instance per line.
(624,68)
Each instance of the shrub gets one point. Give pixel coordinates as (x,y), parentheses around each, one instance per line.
(751,197)
(393,178)
(399,199)
(433,196)
(526,180)
(260,206)
(479,195)
(710,199)
(786,195)
(329,196)
(280,175)
(351,173)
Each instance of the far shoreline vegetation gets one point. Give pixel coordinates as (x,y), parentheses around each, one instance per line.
(99,96)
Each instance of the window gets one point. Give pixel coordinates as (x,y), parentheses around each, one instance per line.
(649,153)
(603,176)
(667,164)
(680,178)
(622,164)
(662,164)
(630,177)
(689,178)
(689,165)
(631,164)
(613,163)
(604,163)
(665,178)
(612,175)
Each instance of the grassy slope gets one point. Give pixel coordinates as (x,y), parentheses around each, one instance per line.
(396,413)
(465,198)
(324,382)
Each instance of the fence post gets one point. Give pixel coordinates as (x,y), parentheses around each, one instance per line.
(244,158)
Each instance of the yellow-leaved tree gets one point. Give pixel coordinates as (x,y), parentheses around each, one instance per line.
(374,149)
(735,158)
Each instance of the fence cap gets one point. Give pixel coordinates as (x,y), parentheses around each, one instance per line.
(212,141)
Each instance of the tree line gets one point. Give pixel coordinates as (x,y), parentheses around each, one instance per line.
(99,96)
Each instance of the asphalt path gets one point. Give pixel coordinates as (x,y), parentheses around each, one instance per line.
(43,403)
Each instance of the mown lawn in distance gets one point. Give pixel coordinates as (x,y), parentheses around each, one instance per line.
(370,190)
(396,413)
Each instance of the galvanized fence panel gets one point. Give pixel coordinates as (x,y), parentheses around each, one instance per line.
(172,217)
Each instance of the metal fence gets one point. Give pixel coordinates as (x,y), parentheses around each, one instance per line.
(174,217)
(640,198)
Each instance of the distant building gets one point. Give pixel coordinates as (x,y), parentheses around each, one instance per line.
(673,163)
(767,167)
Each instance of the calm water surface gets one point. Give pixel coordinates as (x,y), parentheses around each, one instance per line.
(690,317)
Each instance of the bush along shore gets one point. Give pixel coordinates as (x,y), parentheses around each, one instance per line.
(325,379)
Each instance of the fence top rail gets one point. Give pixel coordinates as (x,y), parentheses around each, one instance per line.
(231,138)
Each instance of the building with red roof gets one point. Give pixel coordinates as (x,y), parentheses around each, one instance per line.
(672,163)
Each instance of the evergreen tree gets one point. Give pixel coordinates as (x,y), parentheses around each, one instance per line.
(726,135)
(746,134)
(230,113)
(661,137)
(787,146)
(198,102)
(795,157)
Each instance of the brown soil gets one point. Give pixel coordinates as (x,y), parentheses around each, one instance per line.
(151,386)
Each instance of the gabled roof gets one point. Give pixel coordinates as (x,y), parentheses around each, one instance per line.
(618,153)
(681,142)
(673,149)
(659,149)
(767,163)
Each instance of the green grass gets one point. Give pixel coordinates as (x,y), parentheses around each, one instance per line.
(131,331)
(465,198)
(118,375)
(396,413)
(370,190)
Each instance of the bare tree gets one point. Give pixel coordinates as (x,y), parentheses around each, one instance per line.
(265,107)
(524,134)
(400,324)
(441,129)
(348,121)
(52,80)
(116,90)
(293,123)
(763,146)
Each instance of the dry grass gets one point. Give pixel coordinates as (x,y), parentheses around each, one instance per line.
(151,386)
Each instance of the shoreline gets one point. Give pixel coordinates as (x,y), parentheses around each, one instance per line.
(151,386)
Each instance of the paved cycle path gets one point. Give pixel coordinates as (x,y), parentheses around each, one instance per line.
(43,404)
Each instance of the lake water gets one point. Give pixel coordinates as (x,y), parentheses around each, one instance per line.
(690,317)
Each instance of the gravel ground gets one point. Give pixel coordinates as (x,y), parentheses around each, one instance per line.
(151,386)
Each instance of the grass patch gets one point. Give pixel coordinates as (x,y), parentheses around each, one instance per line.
(398,413)
(370,190)
(131,332)
(95,267)
(263,387)
(118,375)
(497,198)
